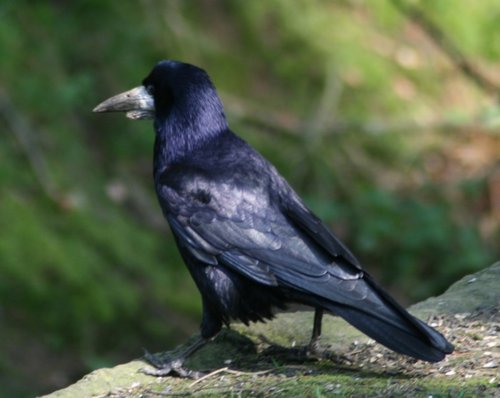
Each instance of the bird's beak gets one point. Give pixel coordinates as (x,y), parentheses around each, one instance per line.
(137,103)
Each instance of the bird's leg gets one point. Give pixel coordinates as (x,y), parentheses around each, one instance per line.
(174,365)
(316,333)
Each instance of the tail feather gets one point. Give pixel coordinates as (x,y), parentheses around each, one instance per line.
(380,317)
(403,338)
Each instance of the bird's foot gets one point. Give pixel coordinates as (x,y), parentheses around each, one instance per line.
(168,366)
(172,364)
(314,349)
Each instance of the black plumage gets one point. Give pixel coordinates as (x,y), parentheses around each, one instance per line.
(247,238)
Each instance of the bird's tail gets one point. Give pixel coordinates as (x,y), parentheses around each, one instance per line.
(384,320)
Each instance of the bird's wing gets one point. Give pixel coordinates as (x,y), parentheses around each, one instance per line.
(315,228)
(204,243)
(250,234)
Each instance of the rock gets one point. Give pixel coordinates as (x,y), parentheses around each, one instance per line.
(238,354)
(471,294)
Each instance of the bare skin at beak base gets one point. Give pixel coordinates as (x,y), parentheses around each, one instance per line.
(136,103)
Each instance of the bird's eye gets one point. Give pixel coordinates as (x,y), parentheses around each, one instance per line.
(150,89)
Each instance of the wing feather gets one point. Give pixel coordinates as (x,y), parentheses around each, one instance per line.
(280,254)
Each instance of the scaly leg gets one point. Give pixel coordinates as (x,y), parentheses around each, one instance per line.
(316,333)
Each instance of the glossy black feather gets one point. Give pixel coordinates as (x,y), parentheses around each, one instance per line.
(248,240)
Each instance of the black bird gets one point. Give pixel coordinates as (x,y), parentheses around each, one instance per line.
(247,238)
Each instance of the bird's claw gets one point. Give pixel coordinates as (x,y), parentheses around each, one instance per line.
(151,359)
(168,367)
(314,349)
(168,370)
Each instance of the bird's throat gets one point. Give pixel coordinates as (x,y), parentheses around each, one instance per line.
(175,144)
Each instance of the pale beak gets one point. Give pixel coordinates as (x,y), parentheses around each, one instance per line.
(137,103)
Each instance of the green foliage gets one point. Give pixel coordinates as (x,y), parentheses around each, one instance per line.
(351,101)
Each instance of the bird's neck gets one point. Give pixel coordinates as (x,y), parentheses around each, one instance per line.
(178,136)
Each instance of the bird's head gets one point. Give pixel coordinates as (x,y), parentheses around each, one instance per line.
(170,86)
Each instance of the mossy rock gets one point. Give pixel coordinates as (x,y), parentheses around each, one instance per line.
(244,363)
(475,293)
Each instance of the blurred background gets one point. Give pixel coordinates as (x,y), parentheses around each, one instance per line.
(383,115)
